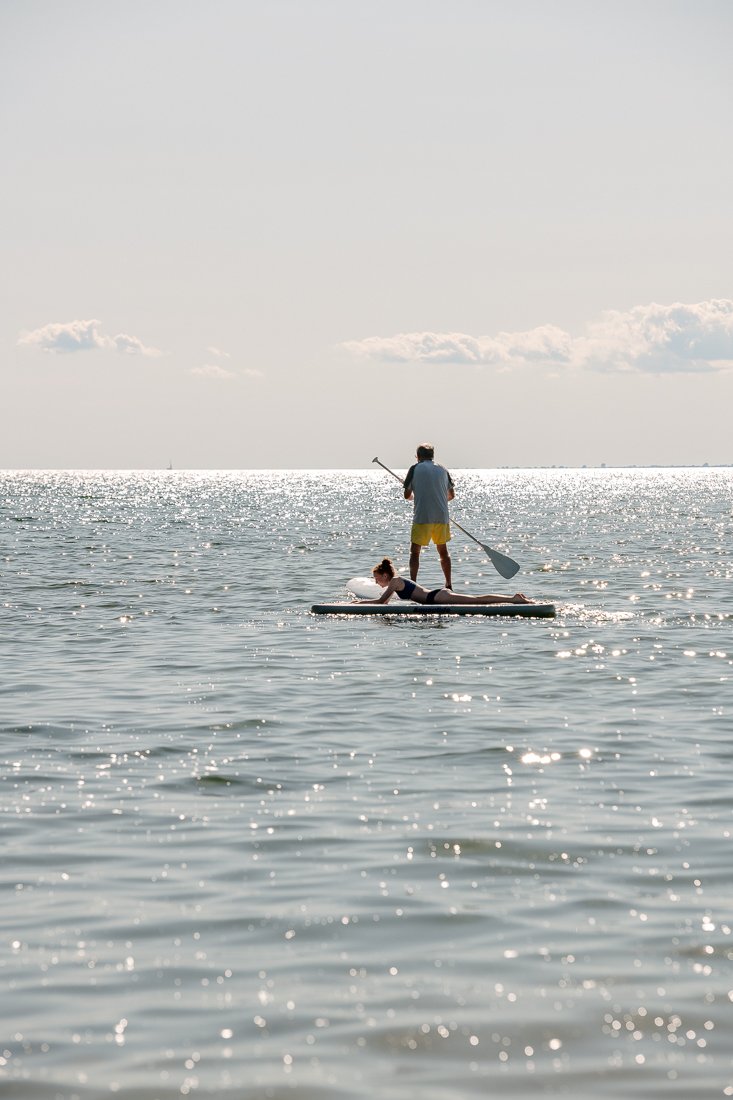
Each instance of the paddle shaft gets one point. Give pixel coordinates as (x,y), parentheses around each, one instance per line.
(503,564)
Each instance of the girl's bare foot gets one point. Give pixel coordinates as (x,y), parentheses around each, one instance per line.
(519,597)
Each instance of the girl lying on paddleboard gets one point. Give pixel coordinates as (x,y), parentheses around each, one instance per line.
(385,576)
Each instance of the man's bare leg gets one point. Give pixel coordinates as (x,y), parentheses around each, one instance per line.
(414,560)
(445,564)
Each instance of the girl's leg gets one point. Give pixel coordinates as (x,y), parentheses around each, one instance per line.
(446,596)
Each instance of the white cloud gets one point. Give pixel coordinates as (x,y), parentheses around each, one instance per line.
(651,338)
(218,353)
(71,336)
(130,345)
(212,370)
(546,342)
(424,347)
(220,374)
(662,338)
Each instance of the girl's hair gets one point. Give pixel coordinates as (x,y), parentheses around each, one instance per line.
(385,566)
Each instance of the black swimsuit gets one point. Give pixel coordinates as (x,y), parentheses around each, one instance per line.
(406,593)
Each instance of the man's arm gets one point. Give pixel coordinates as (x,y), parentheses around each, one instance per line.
(407,483)
(451,488)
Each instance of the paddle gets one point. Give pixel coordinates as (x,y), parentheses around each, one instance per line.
(507,567)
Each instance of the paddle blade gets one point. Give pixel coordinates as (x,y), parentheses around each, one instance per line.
(503,565)
(507,567)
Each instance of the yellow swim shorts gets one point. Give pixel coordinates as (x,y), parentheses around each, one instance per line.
(422,533)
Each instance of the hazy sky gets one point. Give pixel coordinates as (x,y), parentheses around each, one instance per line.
(255,233)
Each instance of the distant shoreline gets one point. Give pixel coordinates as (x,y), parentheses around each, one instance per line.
(344,469)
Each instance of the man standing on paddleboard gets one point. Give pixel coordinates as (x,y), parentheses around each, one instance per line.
(431,487)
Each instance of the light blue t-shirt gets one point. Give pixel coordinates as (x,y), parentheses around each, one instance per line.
(430,484)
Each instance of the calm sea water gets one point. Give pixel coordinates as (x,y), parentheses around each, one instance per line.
(252,853)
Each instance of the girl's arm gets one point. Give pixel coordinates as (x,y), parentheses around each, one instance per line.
(386,595)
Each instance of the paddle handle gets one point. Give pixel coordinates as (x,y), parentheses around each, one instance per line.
(387,469)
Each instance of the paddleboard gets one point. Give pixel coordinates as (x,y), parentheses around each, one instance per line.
(519,610)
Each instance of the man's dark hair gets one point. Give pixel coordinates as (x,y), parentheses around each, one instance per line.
(425,451)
